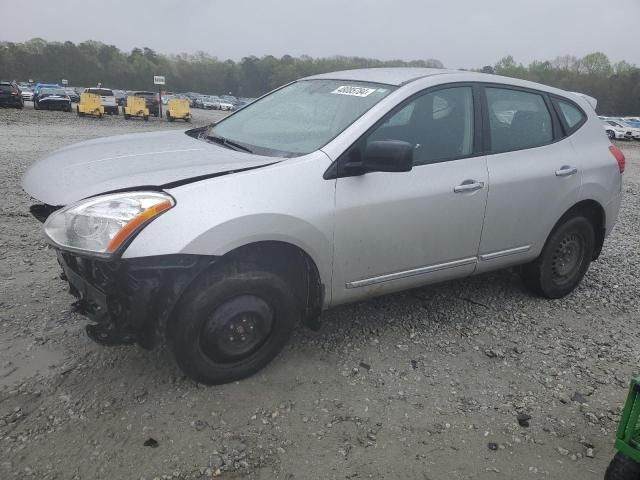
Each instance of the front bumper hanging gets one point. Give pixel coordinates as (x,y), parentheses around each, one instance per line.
(130,300)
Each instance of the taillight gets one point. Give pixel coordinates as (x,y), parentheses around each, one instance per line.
(619,156)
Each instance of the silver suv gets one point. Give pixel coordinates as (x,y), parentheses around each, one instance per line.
(331,189)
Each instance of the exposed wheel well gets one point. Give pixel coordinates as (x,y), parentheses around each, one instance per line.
(595,213)
(294,265)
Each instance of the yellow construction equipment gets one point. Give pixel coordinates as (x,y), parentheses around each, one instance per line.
(136,107)
(178,108)
(90,104)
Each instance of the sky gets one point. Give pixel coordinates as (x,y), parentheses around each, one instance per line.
(460,33)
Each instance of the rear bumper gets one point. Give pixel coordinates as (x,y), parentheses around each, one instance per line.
(13,101)
(51,105)
(130,298)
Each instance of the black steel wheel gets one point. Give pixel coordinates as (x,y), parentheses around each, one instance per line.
(564,260)
(231,323)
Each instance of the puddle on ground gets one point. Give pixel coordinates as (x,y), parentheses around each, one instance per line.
(22,359)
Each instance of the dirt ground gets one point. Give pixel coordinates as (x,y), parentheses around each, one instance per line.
(426,384)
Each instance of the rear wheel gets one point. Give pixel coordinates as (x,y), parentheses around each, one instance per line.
(146,118)
(127,116)
(231,323)
(169,117)
(564,260)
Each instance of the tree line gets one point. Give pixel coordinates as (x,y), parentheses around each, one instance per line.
(616,86)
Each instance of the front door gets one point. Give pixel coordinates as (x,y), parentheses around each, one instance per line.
(398,230)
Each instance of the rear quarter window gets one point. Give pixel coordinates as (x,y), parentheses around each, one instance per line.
(573,116)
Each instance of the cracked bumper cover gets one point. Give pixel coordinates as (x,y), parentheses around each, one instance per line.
(130,298)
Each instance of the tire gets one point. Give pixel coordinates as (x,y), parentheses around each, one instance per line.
(127,116)
(146,118)
(564,259)
(35,106)
(209,334)
(611,134)
(622,468)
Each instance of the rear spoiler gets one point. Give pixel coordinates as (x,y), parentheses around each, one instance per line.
(590,100)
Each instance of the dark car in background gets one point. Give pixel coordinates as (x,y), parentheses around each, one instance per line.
(151,99)
(120,97)
(10,95)
(73,94)
(52,98)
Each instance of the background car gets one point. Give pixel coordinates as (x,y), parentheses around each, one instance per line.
(198,101)
(151,99)
(633,132)
(10,95)
(120,96)
(39,86)
(107,98)
(73,95)
(52,98)
(616,131)
(26,92)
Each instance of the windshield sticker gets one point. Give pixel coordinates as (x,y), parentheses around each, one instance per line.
(354,91)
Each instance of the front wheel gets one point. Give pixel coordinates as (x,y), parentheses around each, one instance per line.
(231,323)
(622,468)
(564,260)
(611,134)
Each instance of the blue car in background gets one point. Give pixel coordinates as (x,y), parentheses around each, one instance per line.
(40,86)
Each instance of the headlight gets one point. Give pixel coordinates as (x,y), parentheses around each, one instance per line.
(102,224)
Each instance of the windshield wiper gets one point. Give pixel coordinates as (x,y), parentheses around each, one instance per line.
(228,143)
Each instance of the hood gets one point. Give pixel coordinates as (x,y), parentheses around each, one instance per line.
(130,161)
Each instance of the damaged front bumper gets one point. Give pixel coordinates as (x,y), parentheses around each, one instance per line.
(130,300)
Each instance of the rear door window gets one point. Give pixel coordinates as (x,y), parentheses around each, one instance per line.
(517,120)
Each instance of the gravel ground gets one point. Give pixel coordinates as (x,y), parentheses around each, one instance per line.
(434,383)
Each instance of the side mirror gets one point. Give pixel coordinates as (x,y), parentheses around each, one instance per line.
(383,156)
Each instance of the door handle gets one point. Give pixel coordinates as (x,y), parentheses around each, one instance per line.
(468,186)
(566,171)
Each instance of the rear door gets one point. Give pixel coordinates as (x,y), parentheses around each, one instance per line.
(398,230)
(533,172)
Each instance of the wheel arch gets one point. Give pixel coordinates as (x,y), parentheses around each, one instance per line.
(285,259)
(595,212)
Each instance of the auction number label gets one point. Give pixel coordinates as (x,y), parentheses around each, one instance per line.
(354,91)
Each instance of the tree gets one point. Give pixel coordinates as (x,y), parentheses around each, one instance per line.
(595,64)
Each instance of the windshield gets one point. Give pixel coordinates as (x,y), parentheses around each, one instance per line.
(100,91)
(300,118)
(53,91)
